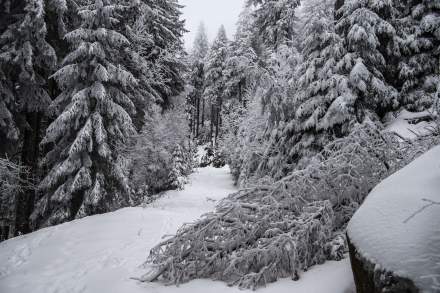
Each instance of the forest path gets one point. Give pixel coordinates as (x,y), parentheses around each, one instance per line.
(101,253)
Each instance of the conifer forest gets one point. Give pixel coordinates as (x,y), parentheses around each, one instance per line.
(293,148)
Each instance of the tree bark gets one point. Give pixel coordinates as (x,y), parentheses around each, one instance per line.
(203,113)
(211,131)
(198,116)
(29,158)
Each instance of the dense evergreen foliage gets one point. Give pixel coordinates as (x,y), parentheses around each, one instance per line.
(101,108)
(79,80)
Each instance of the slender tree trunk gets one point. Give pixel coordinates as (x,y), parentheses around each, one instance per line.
(217,114)
(198,117)
(211,132)
(29,158)
(203,113)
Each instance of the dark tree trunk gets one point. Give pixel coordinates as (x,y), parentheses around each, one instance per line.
(203,113)
(217,120)
(198,117)
(338,4)
(211,131)
(29,158)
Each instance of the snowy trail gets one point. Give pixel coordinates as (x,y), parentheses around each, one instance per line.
(101,253)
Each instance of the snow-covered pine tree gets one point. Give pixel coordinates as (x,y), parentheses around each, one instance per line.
(418,26)
(215,80)
(370,40)
(26,61)
(85,177)
(201,45)
(177,176)
(165,25)
(196,103)
(135,25)
(275,20)
(323,101)
(154,29)
(242,63)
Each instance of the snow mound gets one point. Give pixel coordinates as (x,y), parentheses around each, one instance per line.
(398,226)
(410,125)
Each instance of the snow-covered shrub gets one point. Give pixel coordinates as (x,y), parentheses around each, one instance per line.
(161,156)
(11,180)
(207,158)
(219,159)
(177,179)
(266,232)
(14,178)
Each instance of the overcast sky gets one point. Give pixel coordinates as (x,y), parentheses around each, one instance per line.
(213,13)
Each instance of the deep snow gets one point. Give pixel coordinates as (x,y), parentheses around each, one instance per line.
(398,225)
(102,253)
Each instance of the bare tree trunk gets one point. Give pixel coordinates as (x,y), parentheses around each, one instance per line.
(198,117)
(211,132)
(217,116)
(29,157)
(203,113)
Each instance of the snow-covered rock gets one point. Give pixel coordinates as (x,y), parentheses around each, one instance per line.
(396,232)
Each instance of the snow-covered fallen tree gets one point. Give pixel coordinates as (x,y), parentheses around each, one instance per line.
(263,233)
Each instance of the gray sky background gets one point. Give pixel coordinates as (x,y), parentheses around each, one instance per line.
(213,13)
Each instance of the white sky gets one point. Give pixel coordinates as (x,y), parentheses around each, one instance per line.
(213,13)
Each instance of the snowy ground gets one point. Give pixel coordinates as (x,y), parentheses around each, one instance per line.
(101,253)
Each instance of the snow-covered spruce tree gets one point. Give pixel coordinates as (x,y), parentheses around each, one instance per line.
(370,40)
(418,26)
(85,177)
(177,176)
(242,62)
(195,102)
(154,30)
(274,88)
(322,101)
(166,27)
(26,61)
(275,20)
(215,81)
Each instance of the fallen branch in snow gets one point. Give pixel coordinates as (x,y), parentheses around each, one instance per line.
(260,234)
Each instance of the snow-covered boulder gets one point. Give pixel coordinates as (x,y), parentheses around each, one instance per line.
(395,235)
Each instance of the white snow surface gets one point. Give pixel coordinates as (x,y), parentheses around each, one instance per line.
(403,124)
(102,253)
(391,229)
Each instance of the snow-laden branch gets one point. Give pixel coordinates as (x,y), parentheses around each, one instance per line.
(260,234)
